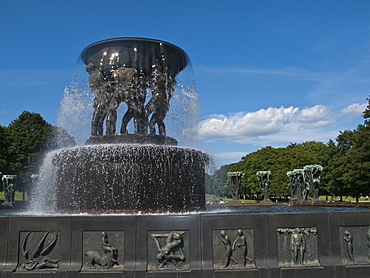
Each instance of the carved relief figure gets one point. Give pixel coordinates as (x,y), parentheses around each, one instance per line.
(348,238)
(298,242)
(233,249)
(228,249)
(38,258)
(106,260)
(297,246)
(172,250)
(241,243)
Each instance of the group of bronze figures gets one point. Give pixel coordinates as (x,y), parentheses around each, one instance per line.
(305,182)
(130,86)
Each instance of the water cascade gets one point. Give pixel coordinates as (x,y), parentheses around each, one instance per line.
(143,170)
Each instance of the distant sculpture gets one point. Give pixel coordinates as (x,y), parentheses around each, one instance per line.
(241,243)
(34,178)
(264,180)
(298,242)
(39,258)
(108,259)
(172,250)
(228,249)
(348,238)
(305,182)
(234,180)
(9,185)
(313,179)
(296,183)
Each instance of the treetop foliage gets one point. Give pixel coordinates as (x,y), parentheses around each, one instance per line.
(24,143)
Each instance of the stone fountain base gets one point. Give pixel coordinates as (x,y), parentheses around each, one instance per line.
(188,245)
(148,178)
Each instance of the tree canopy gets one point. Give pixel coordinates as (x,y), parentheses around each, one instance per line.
(24,143)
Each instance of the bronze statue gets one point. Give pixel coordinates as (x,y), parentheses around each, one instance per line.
(9,187)
(162,85)
(264,180)
(234,180)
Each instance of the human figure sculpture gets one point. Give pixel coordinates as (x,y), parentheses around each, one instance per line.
(297,246)
(228,249)
(234,180)
(162,87)
(131,89)
(316,171)
(305,182)
(300,183)
(102,97)
(9,184)
(348,238)
(121,85)
(241,243)
(264,179)
(291,184)
(127,85)
(172,250)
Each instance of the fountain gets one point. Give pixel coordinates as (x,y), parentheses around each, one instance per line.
(132,204)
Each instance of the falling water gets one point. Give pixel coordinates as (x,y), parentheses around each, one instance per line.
(68,175)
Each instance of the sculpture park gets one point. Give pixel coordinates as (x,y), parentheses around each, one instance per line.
(132,204)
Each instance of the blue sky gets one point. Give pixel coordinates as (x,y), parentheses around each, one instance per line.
(267,72)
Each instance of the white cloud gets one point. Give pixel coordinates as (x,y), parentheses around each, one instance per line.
(313,114)
(354,109)
(242,126)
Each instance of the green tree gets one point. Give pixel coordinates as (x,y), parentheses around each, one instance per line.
(3,151)
(349,163)
(357,162)
(334,167)
(216,184)
(28,140)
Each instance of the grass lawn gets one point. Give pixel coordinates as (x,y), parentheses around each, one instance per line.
(18,196)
